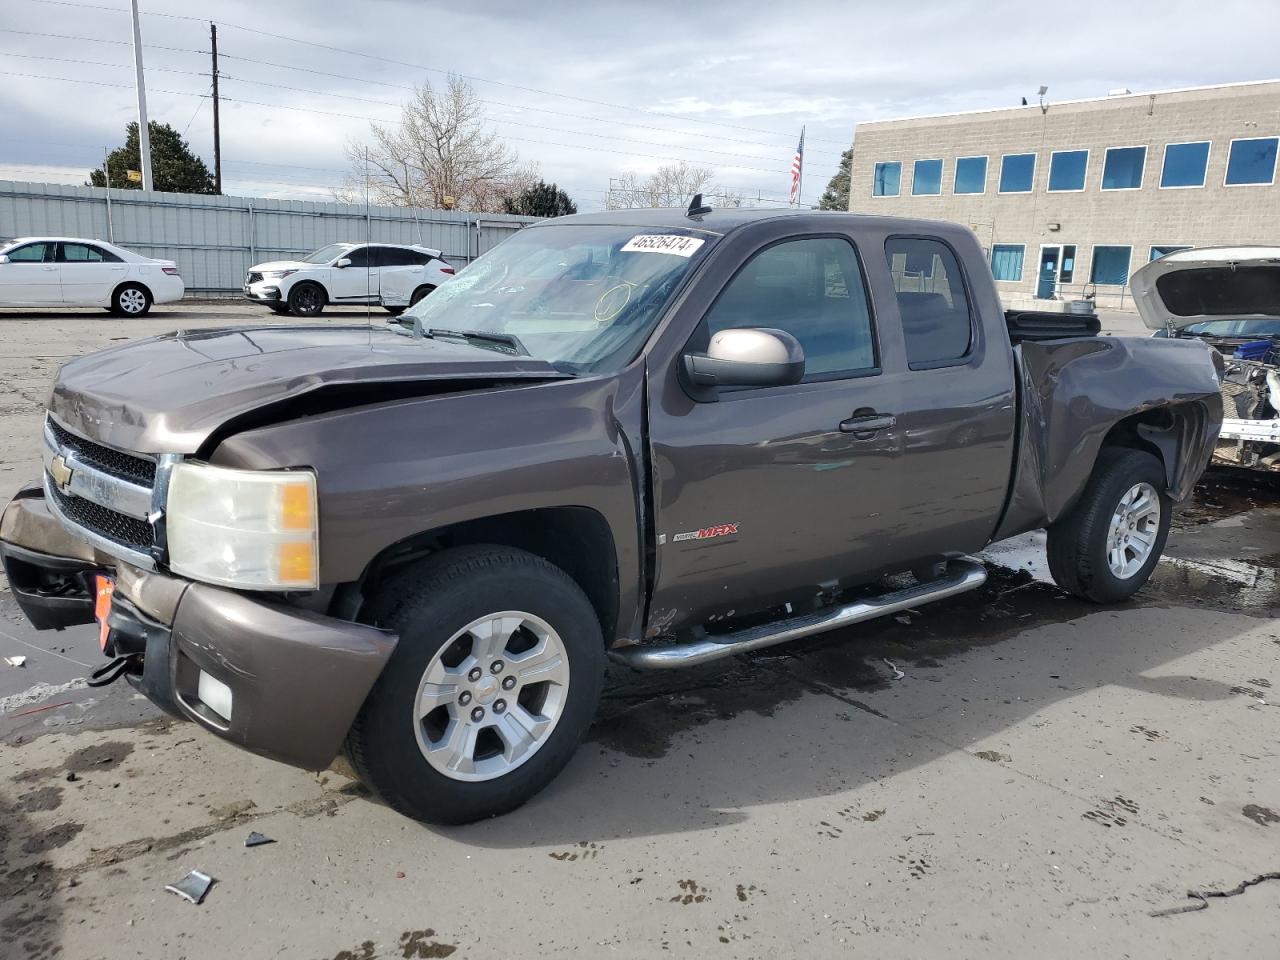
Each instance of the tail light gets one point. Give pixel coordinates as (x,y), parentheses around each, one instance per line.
(447,270)
(171,271)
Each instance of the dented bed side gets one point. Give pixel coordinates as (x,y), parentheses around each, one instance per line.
(1158,393)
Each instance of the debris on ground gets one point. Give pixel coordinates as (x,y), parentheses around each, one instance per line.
(255,839)
(18,661)
(192,887)
(1202,896)
(903,619)
(897,674)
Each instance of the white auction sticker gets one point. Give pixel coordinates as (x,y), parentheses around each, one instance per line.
(663,243)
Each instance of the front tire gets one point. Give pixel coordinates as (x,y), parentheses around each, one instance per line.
(307,300)
(131,300)
(1105,549)
(496,677)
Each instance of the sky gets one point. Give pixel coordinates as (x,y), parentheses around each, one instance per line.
(587,91)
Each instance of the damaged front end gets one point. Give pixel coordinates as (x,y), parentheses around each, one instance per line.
(1250,434)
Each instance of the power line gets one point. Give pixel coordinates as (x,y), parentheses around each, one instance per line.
(499,103)
(98,63)
(549,143)
(516,123)
(96,83)
(116,43)
(515,86)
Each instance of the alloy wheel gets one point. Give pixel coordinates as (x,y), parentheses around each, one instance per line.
(1135,526)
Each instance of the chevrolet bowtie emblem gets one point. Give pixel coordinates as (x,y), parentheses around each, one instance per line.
(60,472)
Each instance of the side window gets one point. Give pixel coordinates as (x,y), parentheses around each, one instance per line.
(83,253)
(359,257)
(396,257)
(812,289)
(936,318)
(419,258)
(32,253)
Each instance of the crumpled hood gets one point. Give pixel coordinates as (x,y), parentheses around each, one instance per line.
(168,394)
(1209,283)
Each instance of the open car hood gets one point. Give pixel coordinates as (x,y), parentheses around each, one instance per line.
(1208,283)
(169,394)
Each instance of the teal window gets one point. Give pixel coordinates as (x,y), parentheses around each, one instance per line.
(1122,168)
(1252,161)
(1067,169)
(926,180)
(1164,251)
(1006,261)
(1111,265)
(1185,164)
(888,179)
(1017,172)
(971,175)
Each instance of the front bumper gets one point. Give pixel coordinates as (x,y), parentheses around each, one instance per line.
(297,678)
(262,292)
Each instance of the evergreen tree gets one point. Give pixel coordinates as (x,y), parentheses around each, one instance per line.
(836,196)
(174,168)
(541,200)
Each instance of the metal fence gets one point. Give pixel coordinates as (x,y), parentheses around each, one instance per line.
(214,240)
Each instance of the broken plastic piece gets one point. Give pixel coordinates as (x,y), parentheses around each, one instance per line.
(192,887)
(16,661)
(255,839)
(897,674)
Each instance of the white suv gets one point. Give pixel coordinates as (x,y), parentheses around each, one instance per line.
(70,272)
(382,274)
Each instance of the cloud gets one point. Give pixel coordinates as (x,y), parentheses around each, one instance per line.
(725,85)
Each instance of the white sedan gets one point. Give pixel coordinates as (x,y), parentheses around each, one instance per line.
(69,272)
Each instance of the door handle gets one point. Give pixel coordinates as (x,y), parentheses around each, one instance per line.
(49,267)
(868,423)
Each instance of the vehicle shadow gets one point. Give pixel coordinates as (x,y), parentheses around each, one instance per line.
(691,750)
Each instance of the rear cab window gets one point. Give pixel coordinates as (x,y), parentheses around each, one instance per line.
(937,317)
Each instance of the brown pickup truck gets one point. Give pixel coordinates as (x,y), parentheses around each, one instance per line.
(664,436)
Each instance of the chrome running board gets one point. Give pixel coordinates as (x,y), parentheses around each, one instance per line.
(960,577)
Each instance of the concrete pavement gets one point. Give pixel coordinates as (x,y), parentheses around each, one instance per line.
(1043,776)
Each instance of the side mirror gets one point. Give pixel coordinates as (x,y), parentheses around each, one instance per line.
(4,258)
(344,262)
(747,357)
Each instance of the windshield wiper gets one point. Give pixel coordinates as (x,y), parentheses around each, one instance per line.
(503,342)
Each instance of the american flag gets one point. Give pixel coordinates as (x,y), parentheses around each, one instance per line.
(797,169)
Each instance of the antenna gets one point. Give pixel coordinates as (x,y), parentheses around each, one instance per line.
(696,207)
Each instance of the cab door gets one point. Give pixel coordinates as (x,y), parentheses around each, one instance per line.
(356,282)
(88,273)
(31,275)
(766,495)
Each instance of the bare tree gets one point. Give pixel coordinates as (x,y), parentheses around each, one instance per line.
(442,154)
(672,185)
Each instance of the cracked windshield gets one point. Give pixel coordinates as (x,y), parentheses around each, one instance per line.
(580,297)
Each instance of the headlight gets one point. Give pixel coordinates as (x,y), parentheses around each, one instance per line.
(277,274)
(253,529)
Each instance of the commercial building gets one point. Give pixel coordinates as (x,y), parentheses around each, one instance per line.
(1070,198)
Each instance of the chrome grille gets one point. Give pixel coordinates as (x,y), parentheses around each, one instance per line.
(107,497)
(123,465)
(116,527)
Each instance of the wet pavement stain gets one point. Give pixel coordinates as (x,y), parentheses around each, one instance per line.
(692,893)
(102,756)
(46,798)
(992,756)
(1260,815)
(418,945)
(51,839)
(1222,494)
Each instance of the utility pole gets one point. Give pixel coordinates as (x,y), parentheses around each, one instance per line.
(144,131)
(217,133)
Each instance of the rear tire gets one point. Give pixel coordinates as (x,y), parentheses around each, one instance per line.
(1105,549)
(131,300)
(419,294)
(440,735)
(307,299)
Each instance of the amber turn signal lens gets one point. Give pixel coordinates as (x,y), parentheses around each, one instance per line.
(297,507)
